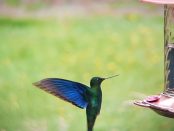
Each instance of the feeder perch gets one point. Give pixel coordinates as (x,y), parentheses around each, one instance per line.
(163,103)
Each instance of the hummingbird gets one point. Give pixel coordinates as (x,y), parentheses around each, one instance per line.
(77,94)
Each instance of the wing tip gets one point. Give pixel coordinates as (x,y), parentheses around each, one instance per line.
(37,84)
(41,82)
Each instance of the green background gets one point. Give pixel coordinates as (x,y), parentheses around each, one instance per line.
(78,48)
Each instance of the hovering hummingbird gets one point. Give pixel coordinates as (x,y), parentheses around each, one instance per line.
(78,94)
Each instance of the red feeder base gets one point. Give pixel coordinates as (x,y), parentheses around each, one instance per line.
(161,104)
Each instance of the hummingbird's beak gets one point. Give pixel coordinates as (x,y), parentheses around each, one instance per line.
(110,77)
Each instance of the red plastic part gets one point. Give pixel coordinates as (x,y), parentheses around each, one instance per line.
(162,104)
(154,98)
(159,1)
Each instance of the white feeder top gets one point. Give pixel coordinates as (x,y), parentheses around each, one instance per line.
(159,1)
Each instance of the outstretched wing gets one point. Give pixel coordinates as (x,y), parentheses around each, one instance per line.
(70,91)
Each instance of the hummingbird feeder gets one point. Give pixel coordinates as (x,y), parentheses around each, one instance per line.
(163,104)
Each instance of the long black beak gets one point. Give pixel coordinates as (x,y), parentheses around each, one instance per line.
(110,77)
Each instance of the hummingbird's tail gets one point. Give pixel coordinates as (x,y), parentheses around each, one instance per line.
(90,128)
(90,122)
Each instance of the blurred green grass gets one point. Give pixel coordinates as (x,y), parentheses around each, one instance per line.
(78,48)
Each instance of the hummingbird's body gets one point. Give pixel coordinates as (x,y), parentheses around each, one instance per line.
(78,94)
(94,98)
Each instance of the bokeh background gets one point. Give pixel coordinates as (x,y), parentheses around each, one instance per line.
(76,40)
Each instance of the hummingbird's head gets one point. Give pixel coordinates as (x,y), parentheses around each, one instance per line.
(96,81)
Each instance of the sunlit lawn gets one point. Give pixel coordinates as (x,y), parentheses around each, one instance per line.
(78,48)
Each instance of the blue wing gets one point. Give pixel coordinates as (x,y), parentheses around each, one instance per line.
(70,91)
